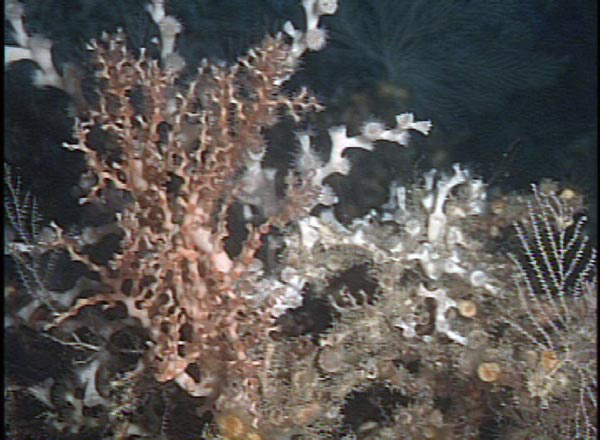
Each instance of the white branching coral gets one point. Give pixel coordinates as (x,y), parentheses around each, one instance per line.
(443,304)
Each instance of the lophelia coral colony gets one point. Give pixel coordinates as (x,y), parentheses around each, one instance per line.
(441,314)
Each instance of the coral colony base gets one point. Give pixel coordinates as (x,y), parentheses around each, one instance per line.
(440,315)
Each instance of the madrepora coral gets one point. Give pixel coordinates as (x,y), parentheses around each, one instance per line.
(440,315)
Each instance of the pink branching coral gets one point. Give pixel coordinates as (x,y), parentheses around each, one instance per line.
(178,155)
